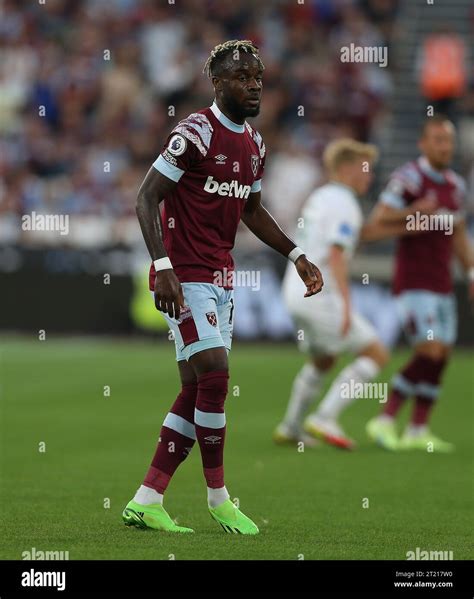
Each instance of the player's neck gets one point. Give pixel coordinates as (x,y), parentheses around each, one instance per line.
(236,120)
(428,163)
(344,183)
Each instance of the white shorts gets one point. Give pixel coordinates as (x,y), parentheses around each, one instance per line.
(318,322)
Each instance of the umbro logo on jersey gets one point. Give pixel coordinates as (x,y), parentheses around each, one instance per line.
(213,439)
(232,189)
(220,159)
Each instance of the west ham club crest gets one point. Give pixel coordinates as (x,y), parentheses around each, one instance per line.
(212,318)
(254,162)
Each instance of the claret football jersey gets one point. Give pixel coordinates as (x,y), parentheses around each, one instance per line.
(423,261)
(217,164)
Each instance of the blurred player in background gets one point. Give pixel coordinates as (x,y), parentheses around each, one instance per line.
(209,175)
(330,226)
(423,283)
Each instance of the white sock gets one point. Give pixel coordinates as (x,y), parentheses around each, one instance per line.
(414,430)
(306,386)
(216,496)
(362,370)
(147,496)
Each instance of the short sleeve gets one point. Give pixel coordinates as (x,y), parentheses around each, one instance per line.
(344,232)
(185,146)
(257,184)
(459,195)
(404,183)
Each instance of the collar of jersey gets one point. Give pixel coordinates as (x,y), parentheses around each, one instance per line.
(343,185)
(434,175)
(226,121)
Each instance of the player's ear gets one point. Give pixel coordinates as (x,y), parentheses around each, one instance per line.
(217,83)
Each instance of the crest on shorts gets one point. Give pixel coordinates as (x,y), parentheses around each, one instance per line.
(212,318)
(254,162)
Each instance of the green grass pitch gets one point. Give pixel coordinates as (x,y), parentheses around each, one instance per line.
(307,504)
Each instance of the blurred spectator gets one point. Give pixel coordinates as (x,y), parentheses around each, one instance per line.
(90,89)
(442,70)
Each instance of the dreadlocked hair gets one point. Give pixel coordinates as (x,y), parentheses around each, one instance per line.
(222,51)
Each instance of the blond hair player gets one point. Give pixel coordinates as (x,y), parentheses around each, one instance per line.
(327,326)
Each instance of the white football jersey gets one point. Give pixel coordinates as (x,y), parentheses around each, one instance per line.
(330,216)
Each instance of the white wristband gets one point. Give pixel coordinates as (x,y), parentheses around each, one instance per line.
(470,275)
(295,254)
(162,264)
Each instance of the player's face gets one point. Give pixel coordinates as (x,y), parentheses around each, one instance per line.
(437,144)
(241,87)
(361,175)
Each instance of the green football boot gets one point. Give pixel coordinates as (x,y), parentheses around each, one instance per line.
(232,519)
(425,442)
(150,516)
(383,433)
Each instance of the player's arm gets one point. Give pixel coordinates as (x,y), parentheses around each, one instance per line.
(382,224)
(339,268)
(168,292)
(464,253)
(264,226)
(396,199)
(391,213)
(388,215)
(153,189)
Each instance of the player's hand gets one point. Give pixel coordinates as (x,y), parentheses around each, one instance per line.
(427,205)
(169,296)
(310,275)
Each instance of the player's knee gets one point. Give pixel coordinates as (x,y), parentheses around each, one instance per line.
(378,353)
(212,390)
(434,350)
(189,391)
(209,360)
(383,356)
(324,363)
(187,375)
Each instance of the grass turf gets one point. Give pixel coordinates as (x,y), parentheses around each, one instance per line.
(97,449)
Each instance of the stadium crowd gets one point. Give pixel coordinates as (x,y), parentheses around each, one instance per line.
(90,89)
